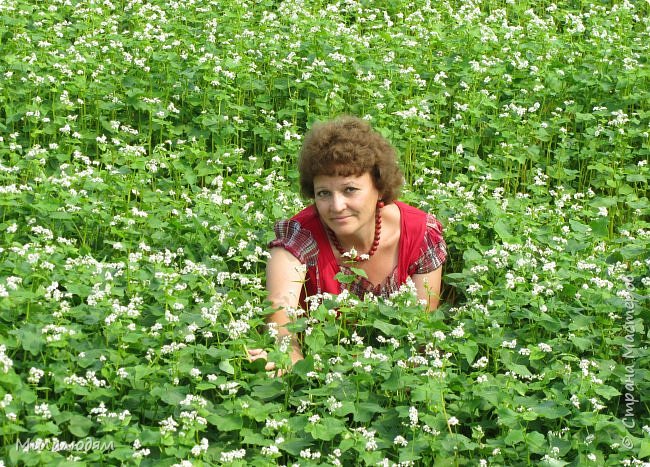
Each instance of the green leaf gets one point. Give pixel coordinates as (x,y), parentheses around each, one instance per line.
(30,337)
(581,343)
(636,178)
(365,411)
(600,227)
(644,449)
(251,437)
(387,328)
(394,382)
(294,446)
(502,229)
(226,422)
(578,226)
(316,340)
(142,371)
(536,442)
(521,370)
(261,411)
(218,352)
(359,272)
(122,453)
(469,350)
(168,394)
(149,437)
(631,252)
(471,255)
(46,428)
(304,366)
(430,391)
(326,429)
(457,442)
(79,426)
(606,391)
(268,390)
(573,245)
(205,386)
(226,367)
(507,417)
(514,437)
(345,278)
(584,117)
(550,409)
(26,395)
(456,278)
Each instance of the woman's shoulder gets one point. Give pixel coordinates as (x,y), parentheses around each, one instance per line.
(293,236)
(433,249)
(413,214)
(410,212)
(434,226)
(433,252)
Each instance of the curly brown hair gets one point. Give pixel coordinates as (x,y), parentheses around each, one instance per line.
(348,146)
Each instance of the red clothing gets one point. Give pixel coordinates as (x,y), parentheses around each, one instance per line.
(422,249)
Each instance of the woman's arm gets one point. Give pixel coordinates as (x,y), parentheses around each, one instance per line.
(285,276)
(428,287)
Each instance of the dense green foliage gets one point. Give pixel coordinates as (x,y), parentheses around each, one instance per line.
(146,149)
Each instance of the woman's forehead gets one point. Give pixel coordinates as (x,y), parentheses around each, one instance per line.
(340,179)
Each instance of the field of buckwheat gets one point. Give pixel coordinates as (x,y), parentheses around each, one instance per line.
(147,148)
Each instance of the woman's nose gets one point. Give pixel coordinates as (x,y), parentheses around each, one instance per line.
(338,202)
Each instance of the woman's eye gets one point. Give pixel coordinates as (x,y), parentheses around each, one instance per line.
(350,189)
(322,194)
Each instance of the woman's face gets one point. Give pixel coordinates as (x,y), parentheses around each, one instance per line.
(346,203)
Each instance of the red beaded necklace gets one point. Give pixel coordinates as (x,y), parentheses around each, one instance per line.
(375,242)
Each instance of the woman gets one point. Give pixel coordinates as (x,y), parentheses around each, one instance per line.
(351,173)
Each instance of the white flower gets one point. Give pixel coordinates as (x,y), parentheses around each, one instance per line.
(458,332)
(270,450)
(168,425)
(229,456)
(350,254)
(43,410)
(480,363)
(35,375)
(5,361)
(400,441)
(413,416)
(509,345)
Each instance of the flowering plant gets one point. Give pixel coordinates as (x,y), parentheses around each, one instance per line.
(146,149)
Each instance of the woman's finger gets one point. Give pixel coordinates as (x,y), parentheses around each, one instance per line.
(254,354)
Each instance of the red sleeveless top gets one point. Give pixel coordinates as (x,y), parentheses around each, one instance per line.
(421,249)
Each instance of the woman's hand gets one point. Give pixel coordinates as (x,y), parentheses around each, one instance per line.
(285,276)
(428,287)
(255,354)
